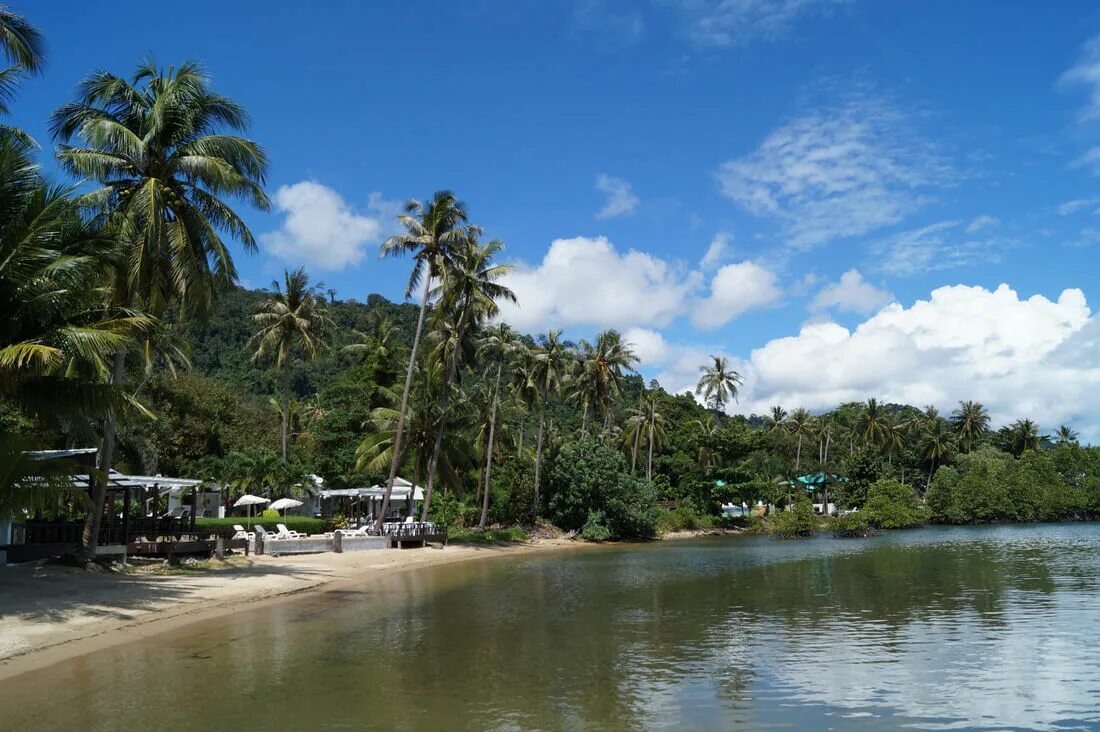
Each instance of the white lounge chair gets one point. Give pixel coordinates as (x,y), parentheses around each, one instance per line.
(285,533)
(242,534)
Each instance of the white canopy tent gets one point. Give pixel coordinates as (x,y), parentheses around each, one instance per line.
(403,498)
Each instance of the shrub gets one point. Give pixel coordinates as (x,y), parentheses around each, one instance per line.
(799,521)
(893,505)
(224,526)
(594,529)
(489,536)
(683,519)
(853,524)
(586,477)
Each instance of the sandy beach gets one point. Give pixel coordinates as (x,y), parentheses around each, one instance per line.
(51,613)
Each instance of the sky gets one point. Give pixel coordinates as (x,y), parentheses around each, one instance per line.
(847,198)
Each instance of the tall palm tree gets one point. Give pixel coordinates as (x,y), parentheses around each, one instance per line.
(292,323)
(937,445)
(1066,435)
(633,429)
(21,44)
(160,146)
(538,377)
(468,296)
(381,340)
(776,419)
(971,423)
(601,370)
(435,233)
(495,347)
(719,383)
(801,424)
(1024,435)
(655,432)
(873,423)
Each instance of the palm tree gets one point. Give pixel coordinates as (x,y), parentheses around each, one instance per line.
(633,429)
(495,347)
(157,144)
(971,423)
(293,322)
(1024,435)
(704,431)
(435,233)
(801,423)
(718,384)
(937,445)
(873,424)
(1066,435)
(601,370)
(21,44)
(655,432)
(381,340)
(776,420)
(468,296)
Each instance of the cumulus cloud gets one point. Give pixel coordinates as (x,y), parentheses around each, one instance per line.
(648,344)
(838,171)
(851,293)
(939,246)
(321,229)
(734,290)
(620,198)
(588,282)
(1032,357)
(717,251)
(723,23)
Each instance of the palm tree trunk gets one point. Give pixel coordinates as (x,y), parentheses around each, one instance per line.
(634,451)
(286,408)
(584,420)
(931,470)
(89,538)
(798,454)
(649,462)
(538,464)
(395,461)
(489,451)
(452,371)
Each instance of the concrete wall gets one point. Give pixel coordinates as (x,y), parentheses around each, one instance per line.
(298,546)
(365,543)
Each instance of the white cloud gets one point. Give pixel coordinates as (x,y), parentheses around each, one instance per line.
(837,171)
(648,344)
(620,198)
(718,250)
(587,282)
(1033,357)
(320,229)
(1086,73)
(851,293)
(722,23)
(734,290)
(1071,207)
(982,222)
(944,245)
(1090,159)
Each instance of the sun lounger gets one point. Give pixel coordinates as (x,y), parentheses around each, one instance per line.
(242,534)
(285,533)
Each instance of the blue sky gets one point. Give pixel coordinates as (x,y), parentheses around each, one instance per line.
(831,193)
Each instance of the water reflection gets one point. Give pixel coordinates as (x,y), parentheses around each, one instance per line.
(937,629)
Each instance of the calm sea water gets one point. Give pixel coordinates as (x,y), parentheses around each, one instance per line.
(972,628)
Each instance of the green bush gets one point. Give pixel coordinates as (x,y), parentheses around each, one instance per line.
(594,529)
(587,476)
(853,524)
(893,505)
(489,536)
(512,491)
(224,526)
(799,521)
(683,519)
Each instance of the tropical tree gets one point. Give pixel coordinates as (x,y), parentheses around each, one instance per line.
(801,423)
(601,367)
(971,423)
(435,233)
(655,432)
(467,297)
(292,323)
(160,146)
(1066,435)
(1024,435)
(538,377)
(776,420)
(495,347)
(21,44)
(937,445)
(873,424)
(718,384)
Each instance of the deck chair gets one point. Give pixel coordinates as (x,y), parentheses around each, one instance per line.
(285,533)
(242,534)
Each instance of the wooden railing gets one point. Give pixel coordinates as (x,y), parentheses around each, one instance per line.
(69,532)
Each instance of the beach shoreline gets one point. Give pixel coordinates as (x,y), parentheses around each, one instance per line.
(50,613)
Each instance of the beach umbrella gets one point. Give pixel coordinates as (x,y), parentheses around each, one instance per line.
(250,500)
(284,503)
